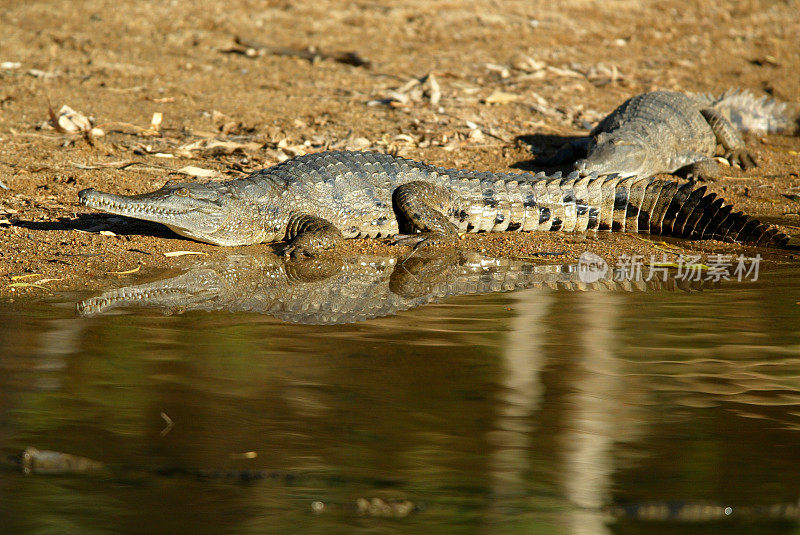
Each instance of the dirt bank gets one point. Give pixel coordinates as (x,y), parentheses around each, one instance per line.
(508,77)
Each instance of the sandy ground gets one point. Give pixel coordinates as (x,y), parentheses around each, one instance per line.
(237,90)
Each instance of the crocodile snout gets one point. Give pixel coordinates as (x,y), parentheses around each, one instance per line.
(86,194)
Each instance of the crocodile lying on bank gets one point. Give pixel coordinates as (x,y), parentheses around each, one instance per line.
(347,290)
(313,201)
(671,132)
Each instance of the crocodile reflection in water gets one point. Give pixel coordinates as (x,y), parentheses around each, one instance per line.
(343,289)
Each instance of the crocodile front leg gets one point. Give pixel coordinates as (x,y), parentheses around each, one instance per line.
(418,206)
(729,137)
(309,235)
(418,275)
(703,168)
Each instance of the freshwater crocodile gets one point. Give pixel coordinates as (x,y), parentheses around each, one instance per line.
(332,290)
(671,132)
(316,200)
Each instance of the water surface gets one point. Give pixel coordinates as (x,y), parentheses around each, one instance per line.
(532,411)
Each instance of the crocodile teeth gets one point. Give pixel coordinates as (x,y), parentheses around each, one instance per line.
(101,202)
(126,296)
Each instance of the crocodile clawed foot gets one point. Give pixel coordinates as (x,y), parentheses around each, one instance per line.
(312,268)
(700,177)
(702,171)
(742,158)
(303,251)
(410,240)
(299,250)
(312,243)
(437,240)
(293,251)
(425,239)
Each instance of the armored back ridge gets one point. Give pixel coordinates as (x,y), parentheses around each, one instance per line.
(314,201)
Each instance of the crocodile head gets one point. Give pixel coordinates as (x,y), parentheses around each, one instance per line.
(203,212)
(609,154)
(195,289)
(243,280)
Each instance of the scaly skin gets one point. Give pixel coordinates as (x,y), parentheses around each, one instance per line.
(314,201)
(670,132)
(334,290)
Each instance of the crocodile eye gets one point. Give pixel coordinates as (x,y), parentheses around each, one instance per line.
(182,192)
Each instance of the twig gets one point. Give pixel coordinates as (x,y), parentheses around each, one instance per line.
(170,423)
(119,165)
(312,55)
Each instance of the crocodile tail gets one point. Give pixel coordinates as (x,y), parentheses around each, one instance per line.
(667,208)
(518,203)
(753,114)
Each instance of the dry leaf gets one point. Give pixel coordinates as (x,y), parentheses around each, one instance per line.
(433,90)
(25,285)
(569,73)
(476,135)
(500,97)
(107,233)
(155,122)
(404,137)
(134,270)
(502,70)
(198,172)
(70,121)
(28,276)
(38,73)
(359,143)
(215,146)
(183,253)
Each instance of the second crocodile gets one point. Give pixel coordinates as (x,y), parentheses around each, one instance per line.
(671,132)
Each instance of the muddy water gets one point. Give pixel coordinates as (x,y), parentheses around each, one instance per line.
(534,411)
